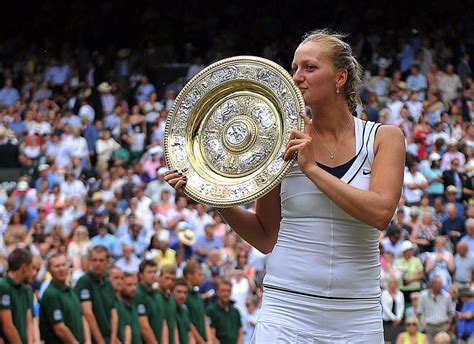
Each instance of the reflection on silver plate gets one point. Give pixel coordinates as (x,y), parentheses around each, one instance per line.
(228,128)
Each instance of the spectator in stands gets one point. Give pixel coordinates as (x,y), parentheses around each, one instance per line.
(393,307)
(144,89)
(416,82)
(412,269)
(453,224)
(440,263)
(464,264)
(449,84)
(9,95)
(129,261)
(207,242)
(435,308)
(79,246)
(415,184)
(412,334)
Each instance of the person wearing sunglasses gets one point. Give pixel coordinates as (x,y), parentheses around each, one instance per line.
(411,335)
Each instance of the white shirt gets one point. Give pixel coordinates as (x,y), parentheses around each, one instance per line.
(413,195)
(387,304)
(86,111)
(130,266)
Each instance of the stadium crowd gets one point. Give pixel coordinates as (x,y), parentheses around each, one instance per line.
(94,244)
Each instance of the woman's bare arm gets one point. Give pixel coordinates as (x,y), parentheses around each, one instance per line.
(259,229)
(374,207)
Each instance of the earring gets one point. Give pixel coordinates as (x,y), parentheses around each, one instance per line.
(337,90)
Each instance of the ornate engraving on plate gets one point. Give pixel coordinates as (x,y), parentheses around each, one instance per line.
(228,128)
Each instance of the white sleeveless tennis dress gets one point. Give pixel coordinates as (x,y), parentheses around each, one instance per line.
(322,281)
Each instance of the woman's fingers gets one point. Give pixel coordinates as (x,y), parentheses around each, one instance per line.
(308,124)
(181,183)
(292,150)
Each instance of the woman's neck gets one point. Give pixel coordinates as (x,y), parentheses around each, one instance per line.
(331,120)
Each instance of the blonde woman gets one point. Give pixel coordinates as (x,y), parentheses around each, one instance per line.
(320,225)
(78,247)
(412,335)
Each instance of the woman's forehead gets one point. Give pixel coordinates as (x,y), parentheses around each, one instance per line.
(311,51)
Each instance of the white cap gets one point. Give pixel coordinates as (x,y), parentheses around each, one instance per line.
(22,186)
(164,235)
(434,156)
(161,171)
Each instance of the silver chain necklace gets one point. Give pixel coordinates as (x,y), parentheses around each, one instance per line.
(331,154)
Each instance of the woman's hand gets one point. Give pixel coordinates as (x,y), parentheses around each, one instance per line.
(300,143)
(176,179)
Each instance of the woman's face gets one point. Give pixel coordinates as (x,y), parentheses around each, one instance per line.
(412,327)
(314,73)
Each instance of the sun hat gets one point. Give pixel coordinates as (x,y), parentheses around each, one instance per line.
(187,237)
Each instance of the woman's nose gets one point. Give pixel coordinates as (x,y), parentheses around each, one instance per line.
(297,76)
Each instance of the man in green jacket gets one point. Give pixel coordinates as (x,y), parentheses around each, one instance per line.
(124,332)
(150,307)
(98,298)
(165,283)
(129,290)
(226,326)
(61,319)
(16,300)
(199,324)
(183,323)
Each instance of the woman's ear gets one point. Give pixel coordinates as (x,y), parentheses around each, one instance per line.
(341,78)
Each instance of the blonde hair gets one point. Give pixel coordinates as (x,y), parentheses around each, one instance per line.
(442,338)
(340,53)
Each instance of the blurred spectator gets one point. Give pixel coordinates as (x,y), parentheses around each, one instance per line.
(129,261)
(435,308)
(465,316)
(79,246)
(453,224)
(424,234)
(415,184)
(249,319)
(144,89)
(393,306)
(412,334)
(449,84)
(464,263)
(159,249)
(416,82)
(411,268)
(440,263)
(207,242)
(9,95)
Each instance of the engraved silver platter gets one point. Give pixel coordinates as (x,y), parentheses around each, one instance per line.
(228,128)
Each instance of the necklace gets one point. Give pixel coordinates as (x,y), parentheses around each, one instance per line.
(331,154)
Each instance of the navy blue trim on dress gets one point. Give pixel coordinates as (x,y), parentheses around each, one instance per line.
(338,171)
(318,296)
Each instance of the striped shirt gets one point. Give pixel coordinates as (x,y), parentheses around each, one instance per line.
(435,309)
